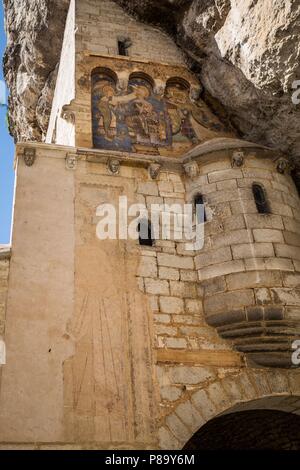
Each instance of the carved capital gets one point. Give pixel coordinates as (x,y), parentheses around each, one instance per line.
(113,166)
(68,115)
(191,169)
(71,161)
(238,159)
(283,165)
(154,170)
(29,156)
(195,93)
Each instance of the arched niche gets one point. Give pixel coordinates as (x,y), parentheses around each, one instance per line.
(178,82)
(141,78)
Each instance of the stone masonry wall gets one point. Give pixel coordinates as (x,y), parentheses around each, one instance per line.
(239,240)
(101,24)
(249,267)
(249,263)
(130,314)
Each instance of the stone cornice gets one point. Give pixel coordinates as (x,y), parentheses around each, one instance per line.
(199,153)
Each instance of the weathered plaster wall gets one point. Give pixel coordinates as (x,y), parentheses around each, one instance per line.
(39,303)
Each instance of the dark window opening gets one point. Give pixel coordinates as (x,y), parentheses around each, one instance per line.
(260,199)
(296,177)
(200,209)
(123,46)
(145,233)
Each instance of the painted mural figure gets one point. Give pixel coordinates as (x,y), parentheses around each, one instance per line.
(140,119)
(146,116)
(186,115)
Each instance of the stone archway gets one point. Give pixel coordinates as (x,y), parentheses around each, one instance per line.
(249,430)
(250,390)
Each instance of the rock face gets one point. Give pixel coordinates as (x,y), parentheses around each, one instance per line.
(34,36)
(245,52)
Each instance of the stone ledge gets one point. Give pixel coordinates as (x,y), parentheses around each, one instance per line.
(203,357)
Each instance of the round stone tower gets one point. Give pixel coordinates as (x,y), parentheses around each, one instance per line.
(249,266)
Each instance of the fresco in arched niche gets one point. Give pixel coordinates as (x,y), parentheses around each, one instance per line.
(188,117)
(138,120)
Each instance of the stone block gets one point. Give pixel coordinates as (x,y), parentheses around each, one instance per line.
(176,343)
(188,276)
(255,264)
(193,306)
(264,221)
(221,270)
(179,187)
(187,319)
(223,175)
(167,441)
(291,280)
(243,207)
(226,184)
(255,173)
(156,287)
(287,251)
(229,301)
(171,305)
(253,250)
(190,416)
(153,301)
(148,188)
(165,330)
(211,257)
(147,267)
(183,289)
(234,222)
(190,375)
(180,431)
(292,238)
(291,225)
(286,296)
(170,393)
(281,209)
(169,273)
(234,237)
(280,264)
(263,296)
(278,381)
(253,279)
(212,286)
(181,250)
(268,236)
(204,404)
(160,318)
(166,187)
(173,261)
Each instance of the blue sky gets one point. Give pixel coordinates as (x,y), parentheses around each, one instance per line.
(6,157)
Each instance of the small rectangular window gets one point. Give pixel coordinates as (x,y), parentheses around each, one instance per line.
(123,46)
(200,209)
